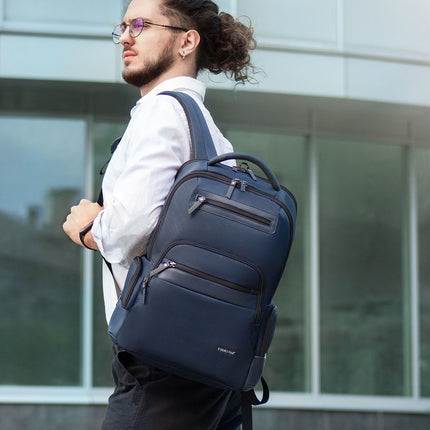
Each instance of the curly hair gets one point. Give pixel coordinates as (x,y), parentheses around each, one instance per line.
(225,43)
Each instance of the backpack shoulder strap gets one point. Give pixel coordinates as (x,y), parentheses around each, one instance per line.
(202,143)
(100,202)
(249,398)
(203,147)
(113,147)
(201,140)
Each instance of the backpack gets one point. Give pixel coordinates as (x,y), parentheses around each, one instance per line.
(199,304)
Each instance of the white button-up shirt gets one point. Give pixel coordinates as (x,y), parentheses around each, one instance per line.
(140,174)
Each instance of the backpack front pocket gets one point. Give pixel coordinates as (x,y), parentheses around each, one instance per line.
(209,325)
(233,210)
(208,272)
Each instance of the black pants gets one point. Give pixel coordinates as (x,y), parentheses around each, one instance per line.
(146,398)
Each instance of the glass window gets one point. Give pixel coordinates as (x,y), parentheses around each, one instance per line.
(41,176)
(286,156)
(361,272)
(104,133)
(422,163)
(80,12)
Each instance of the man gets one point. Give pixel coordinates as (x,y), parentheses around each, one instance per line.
(165,44)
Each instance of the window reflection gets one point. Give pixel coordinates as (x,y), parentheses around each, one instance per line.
(361,267)
(422,163)
(41,176)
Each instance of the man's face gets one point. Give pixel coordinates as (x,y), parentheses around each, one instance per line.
(153,52)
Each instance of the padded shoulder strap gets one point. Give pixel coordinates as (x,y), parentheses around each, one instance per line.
(201,139)
(202,144)
(203,147)
(113,147)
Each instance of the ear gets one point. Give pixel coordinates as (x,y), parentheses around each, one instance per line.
(190,42)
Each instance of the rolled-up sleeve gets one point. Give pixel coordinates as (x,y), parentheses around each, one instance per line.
(139,177)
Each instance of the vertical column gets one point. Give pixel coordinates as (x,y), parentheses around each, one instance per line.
(234,7)
(415,304)
(340,18)
(312,300)
(87,276)
(410,276)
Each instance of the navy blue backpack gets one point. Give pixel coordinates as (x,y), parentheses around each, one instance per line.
(199,303)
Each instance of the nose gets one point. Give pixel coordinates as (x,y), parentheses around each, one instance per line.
(125,38)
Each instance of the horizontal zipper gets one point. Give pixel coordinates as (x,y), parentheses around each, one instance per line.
(283,206)
(200,200)
(133,282)
(219,178)
(212,278)
(206,248)
(233,168)
(183,268)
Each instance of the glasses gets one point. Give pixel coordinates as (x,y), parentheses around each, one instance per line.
(135,28)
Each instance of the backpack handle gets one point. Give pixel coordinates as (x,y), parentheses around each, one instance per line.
(248,157)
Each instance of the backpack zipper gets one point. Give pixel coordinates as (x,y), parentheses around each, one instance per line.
(233,184)
(200,200)
(219,178)
(133,282)
(183,268)
(252,266)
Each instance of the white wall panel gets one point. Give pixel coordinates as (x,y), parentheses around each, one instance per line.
(399,27)
(286,72)
(34,57)
(302,20)
(289,73)
(224,5)
(79,12)
(388,82)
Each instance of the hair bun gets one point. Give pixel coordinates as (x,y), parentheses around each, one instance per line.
(224,41)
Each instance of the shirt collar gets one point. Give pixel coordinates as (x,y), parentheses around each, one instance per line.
(181,83)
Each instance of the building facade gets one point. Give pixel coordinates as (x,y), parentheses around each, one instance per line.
(341,113)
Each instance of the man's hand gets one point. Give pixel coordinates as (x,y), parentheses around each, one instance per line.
(80,217)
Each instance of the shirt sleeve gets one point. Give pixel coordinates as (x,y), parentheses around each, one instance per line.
(157,145)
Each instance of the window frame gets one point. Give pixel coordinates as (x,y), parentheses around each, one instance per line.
(86,393)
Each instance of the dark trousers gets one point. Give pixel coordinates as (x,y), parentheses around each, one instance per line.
(147,398)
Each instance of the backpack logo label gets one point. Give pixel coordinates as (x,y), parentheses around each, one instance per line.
(226,351)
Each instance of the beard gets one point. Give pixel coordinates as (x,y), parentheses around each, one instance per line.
(150,71)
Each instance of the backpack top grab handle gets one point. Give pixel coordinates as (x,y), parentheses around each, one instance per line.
(248,157)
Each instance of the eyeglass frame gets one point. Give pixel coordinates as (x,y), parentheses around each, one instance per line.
(116,37)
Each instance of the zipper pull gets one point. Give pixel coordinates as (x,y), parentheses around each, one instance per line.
(243,185)
(244,167)
(251,173)
(233,185)
(199,201)
(159,269)
(145,284)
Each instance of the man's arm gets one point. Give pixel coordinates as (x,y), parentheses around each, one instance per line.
(139,177)
(80,217)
